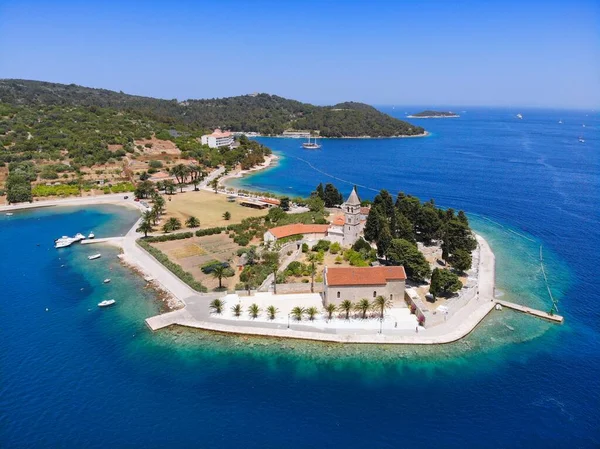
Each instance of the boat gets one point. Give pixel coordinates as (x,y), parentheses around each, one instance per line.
(91,236)
(95,256)
(311,145)
(78,237)
(581,140)
(560,122)
(106,303)
(8,214)
(519,116)
(63,242)
(106,281)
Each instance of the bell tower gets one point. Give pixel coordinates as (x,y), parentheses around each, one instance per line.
(352,223)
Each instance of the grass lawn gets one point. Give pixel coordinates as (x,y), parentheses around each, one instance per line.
(208,207)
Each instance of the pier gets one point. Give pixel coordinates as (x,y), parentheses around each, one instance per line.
(531,311)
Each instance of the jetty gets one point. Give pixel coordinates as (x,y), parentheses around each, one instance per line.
(531,311)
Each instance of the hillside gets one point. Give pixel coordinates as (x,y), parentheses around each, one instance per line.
(434,114)
(264,113)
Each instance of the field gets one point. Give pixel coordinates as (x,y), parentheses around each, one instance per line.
(192,253)
(208,207)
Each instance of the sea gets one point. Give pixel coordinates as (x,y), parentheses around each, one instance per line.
(73,375)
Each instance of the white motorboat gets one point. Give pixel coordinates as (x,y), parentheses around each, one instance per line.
(78,237)
(95,256)
(91,235)
(560,122)
(519,116)
(106,303)
(9,214)
(581,140)
(106,281)
(63,242)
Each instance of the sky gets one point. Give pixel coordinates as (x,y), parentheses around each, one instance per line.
(488,53)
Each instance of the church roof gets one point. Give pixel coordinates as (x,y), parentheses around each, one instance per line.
(342,276)
(295,229)
(353,199)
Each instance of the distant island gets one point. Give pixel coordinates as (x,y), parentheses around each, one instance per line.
(434,114)
(268,115)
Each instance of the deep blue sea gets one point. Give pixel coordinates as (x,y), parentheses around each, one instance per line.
(79,376)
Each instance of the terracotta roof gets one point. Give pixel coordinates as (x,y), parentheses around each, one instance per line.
(364,275)
(295,229)
(271,201)
(365,210)
(218,133)
(339,220)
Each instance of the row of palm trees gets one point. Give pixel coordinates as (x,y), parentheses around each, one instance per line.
(379,304)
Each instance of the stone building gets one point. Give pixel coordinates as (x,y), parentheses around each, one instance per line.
(356,283)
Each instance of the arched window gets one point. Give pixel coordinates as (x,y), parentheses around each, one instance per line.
(338,294)
(374,294)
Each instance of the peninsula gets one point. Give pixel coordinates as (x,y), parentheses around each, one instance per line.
(434,114)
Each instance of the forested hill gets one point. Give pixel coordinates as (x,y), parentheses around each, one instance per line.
(264,113)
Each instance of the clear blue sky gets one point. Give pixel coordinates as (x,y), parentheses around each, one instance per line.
(505,53)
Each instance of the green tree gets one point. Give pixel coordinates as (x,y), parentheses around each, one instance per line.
(384,240)
(192,222)
(312,259)
(444,282)
(298,313)
(254,310)
(227,215)
(330,309)
(217,305)
(272,311)
(237,310)
(315,204)
(169,187)
(146,224)
(312,312)
(428,224)
(285,203)
(331,196)
(215,185)
(271,261)
(402,252)
(143,189)
(346,306)
(363,307)
(181,173)
(172,224)
(461,260)
(219,272)
(381,303)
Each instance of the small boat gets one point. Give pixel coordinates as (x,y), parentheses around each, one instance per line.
(95,256)
(311,145)
(519,116)
(91,235)
(498,307)
(106,281)
(560,122)
(581,140)
(106,303)
(9,214)
(78,237)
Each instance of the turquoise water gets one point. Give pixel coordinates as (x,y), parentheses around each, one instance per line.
(79,376)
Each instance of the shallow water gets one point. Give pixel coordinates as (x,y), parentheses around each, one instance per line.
(79,376)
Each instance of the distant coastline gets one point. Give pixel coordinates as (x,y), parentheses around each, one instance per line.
(434,114)
(402,136)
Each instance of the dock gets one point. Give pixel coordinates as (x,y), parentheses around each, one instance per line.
(114,240)
(531,311)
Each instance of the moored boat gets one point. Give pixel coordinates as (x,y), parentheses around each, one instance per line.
(63,242)
(106,303)
(95,256)
(8,214)
(106,281)
(519,116)
(311,145)
(91,235)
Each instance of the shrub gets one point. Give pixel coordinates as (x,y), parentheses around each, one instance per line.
(305,247)
(209,231)
(322,245)
(335,248)
(169,237)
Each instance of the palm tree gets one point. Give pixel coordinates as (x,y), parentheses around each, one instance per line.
(159,203)
(311,312)
(217,305)
(219,272)
(272,311)
(330,309)
(192,222)
(145,227)
(363,306)
(346,306)
(169,187)
(227,216)
(237,310)
(155,213)
(181,173)
(172,224)
(254,311)
(381,303)
(215,185)
(298,312)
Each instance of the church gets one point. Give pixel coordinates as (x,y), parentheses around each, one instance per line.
(344,229)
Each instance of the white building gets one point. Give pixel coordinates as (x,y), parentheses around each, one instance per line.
(218,139)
